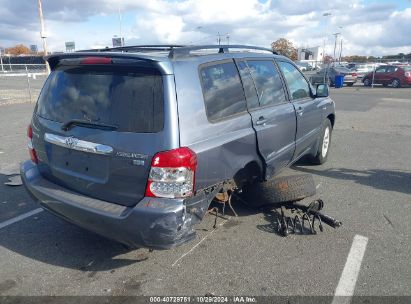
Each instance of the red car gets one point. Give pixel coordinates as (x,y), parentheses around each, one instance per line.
(396,76)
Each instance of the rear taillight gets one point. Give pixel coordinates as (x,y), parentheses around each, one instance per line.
(172,174)
(32,151)
(354,74)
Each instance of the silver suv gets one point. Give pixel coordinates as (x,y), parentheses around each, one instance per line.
(134,143)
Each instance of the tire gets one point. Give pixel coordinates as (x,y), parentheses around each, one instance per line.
(350,84)
(385,85)
(330,82)
(324,146)
(395,83)
(367,82)
(281,189)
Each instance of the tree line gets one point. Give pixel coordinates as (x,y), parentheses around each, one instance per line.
(286,48)
(20,49)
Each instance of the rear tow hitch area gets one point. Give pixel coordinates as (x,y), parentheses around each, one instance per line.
(297,218)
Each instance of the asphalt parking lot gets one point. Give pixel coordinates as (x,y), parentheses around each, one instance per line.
(366,184)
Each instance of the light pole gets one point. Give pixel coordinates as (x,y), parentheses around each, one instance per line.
(1,59)
(120,24)
(43,34)
(325,37)
(335,43)
(341,44)
(326,33)
(227,36)
(218,38)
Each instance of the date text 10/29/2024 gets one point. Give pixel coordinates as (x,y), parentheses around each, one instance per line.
(203,299)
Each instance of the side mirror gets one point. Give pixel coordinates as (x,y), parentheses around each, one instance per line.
(322,90)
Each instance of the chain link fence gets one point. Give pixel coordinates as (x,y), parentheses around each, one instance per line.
(21,83)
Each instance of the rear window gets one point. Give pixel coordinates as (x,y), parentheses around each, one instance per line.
(129,98)
(343,70)
(222,89)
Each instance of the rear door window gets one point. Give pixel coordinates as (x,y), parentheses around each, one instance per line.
(128,98)
(222,90)
(248,84)
(267,81)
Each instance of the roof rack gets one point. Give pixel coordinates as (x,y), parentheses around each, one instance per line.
(138,48)
(185,50)
(176,50)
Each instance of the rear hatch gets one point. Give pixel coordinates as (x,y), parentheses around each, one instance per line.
(97,125)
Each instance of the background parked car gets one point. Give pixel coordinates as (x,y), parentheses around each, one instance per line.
(396,76)
(351,66)
(303,66)
(363,69)
(329,74)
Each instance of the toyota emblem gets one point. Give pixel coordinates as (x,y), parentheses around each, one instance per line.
(71,142)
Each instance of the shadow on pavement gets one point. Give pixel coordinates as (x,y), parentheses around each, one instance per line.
(48,239)
(388,180)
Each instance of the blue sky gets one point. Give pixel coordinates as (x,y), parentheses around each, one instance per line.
(367,27)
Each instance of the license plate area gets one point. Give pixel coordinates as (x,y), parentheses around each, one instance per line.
(80,164)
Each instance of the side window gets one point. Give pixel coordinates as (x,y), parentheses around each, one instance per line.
(298,86)
(380,70)
(222,90)
(391,69)
(267,82)
(248,84)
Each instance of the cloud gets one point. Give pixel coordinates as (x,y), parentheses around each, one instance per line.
(367,28)
(300,7)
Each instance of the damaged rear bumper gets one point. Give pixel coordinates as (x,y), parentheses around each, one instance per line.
(154,222)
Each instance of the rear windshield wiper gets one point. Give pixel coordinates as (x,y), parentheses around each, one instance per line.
(88,124)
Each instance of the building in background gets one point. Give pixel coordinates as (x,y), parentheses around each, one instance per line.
(70,46)
(117,41)
(312,55)
(33,48)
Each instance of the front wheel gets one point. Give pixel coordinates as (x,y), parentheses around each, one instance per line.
(324,146)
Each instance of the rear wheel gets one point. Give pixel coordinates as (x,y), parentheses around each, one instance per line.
(324,146)
(367,82)
(280,190)
(396,83)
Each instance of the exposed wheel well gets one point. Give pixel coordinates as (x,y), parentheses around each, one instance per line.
(251,171)
(331,117)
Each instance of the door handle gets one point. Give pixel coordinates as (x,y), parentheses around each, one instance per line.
(261,121)
(299,111)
